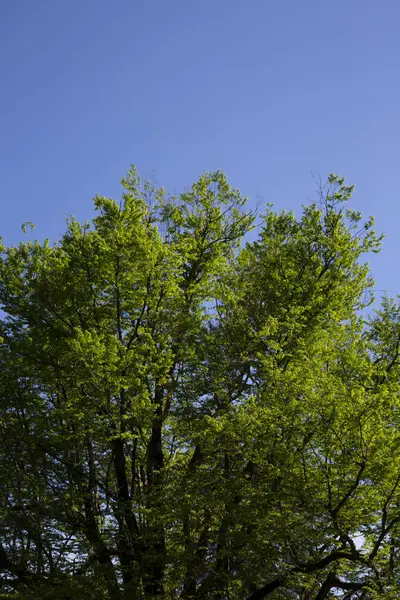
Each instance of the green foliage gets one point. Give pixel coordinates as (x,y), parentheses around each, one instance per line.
(183,416)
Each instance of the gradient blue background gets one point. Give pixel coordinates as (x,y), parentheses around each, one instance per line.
(268,90)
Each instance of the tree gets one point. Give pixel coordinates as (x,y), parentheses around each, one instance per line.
(184,417)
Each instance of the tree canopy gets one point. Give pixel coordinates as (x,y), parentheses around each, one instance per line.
(184,415)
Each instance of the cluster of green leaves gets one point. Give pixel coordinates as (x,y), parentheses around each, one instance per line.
(185,417)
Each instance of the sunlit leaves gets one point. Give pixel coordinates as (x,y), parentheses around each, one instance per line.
(184,415)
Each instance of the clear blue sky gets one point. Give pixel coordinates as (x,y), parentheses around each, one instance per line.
(268,90)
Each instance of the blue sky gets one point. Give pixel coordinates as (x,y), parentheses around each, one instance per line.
(267,90)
